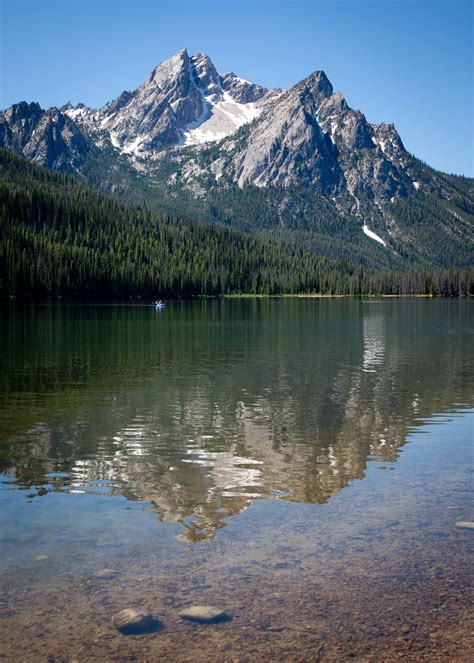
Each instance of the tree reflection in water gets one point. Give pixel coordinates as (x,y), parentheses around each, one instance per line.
(215,404)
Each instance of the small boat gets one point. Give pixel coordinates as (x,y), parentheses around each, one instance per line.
(159,304)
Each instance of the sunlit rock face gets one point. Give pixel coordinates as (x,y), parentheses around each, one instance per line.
(212,415)
(195,133)
(302,135)
(49,138)
(184,101)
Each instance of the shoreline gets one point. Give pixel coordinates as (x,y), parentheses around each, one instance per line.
(12,301)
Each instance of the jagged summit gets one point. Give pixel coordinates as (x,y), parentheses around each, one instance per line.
(184,101)
(307,134)
(170,68)
(300,135)
(318,82)
(193,131)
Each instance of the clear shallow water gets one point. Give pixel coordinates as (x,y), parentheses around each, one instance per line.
(302,463)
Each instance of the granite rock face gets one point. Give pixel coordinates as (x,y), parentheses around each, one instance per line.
(307,135)
(203,131)
(287,145)
(181,95)
(49,137)
(310,136)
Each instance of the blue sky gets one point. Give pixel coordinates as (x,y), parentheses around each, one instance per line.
(409,62)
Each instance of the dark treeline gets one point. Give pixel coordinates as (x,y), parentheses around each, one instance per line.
(60,238)
(436,283)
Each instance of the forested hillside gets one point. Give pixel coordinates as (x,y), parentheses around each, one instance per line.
(58,237)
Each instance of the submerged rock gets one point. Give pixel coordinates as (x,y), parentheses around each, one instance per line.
(105,574)
(131,621)
(205,614)
(465,524)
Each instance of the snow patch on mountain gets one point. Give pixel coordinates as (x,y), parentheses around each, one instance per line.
(114,140)
(76,112)
(372,235)
(134,146)
(220,119)
(222,113)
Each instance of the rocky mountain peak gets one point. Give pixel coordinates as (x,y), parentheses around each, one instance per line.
(305,139)
(243,91)
(307,134)
(23,111)
(170,69)
(205,76)
(318,84)
(184,101)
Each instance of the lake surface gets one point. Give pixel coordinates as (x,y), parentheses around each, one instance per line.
(300,463)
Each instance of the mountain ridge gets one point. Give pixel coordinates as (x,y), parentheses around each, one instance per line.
(190,135)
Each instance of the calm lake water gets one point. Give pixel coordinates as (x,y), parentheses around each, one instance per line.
(300,463)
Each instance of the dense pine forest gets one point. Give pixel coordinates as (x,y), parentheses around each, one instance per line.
(61,238)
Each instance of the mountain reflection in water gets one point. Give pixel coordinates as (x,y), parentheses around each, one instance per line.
(213,404)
